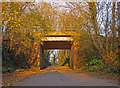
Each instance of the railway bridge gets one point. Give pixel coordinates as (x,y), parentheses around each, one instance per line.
(59,40)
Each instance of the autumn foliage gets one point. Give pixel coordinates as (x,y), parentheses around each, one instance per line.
(24,24)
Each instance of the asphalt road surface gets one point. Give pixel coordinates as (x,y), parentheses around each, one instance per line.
(68,78)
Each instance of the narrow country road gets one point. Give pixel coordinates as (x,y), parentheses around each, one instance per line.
(58,76)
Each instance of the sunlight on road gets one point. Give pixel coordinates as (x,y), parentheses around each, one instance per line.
(63,76)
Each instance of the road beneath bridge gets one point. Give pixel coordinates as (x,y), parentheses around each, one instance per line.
(63,76)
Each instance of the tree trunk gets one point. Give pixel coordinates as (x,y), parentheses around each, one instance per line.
(113,25)
(93,11)
(118,8)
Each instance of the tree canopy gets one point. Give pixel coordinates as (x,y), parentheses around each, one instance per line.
(96,24)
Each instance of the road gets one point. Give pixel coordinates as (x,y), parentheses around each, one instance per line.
(54,76)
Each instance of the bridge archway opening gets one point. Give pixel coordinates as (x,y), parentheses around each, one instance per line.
(58,41)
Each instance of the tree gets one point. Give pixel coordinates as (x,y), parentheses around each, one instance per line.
(23,27)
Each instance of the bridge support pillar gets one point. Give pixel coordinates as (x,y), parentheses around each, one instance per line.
(41,57)
(74,56)
(75,45)
(71,57)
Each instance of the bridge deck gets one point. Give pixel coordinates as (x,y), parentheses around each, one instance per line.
(56,45)
(58,40)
